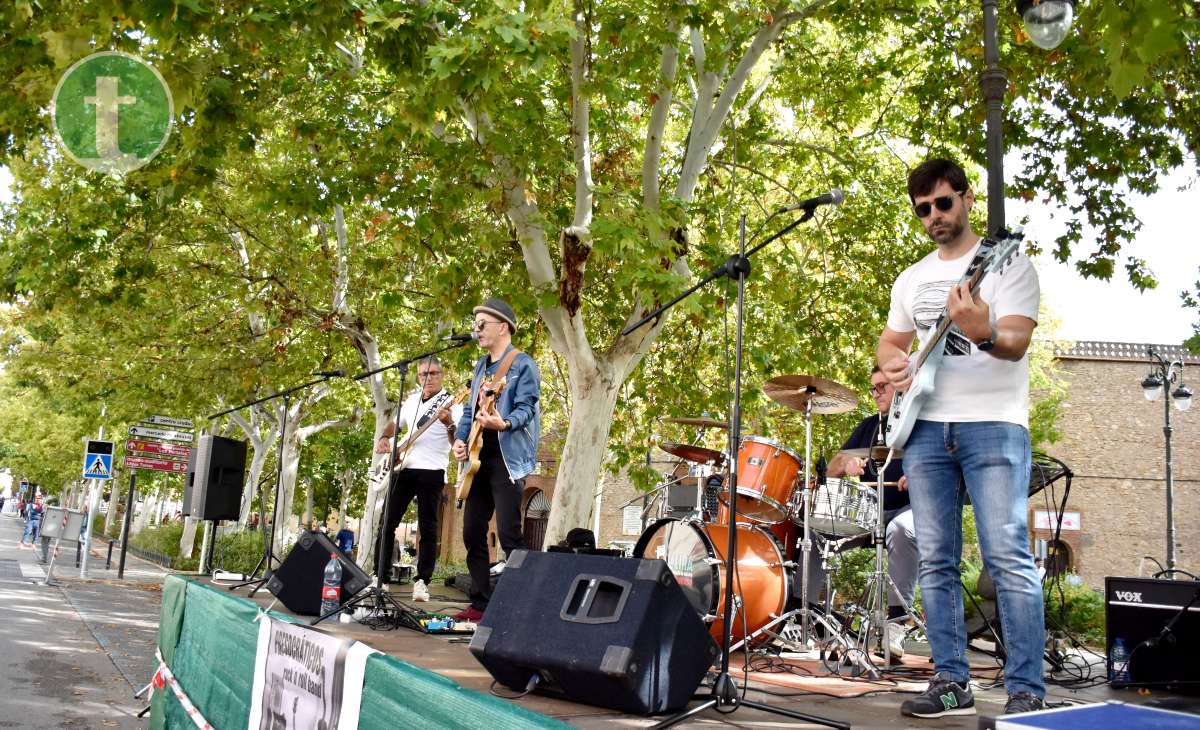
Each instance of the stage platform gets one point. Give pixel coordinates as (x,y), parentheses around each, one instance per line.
(432,681)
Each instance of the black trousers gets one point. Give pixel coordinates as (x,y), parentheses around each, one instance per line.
(491,492)
(425,485)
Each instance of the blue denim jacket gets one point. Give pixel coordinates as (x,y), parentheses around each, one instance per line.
(519,405)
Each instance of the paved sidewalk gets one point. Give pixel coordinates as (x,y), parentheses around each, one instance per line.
(74,651)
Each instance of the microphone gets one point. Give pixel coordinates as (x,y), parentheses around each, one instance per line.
(833,197)
(330,373)
(462,338)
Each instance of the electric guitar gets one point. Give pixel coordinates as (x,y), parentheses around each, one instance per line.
(488,393)
(384,470)
(906,404)
(404,449)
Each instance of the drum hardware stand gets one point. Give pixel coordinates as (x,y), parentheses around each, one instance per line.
(880,580)
(725,691)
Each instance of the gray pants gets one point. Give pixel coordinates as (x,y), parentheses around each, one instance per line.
(901,540)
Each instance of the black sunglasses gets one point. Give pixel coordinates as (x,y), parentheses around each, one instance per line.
(943,203)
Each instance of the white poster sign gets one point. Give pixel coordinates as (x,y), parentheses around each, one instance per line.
(305,679)
(631,520)
(1046,520)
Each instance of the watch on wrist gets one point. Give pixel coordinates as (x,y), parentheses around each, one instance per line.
(990,342)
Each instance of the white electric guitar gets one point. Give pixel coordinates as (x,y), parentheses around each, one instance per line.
(906,404)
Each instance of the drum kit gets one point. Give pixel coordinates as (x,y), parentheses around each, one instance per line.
(777,518)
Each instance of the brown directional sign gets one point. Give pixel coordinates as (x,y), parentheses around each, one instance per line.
(147,462)
(156,449)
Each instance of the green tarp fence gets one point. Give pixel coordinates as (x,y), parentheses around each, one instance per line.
(208,638)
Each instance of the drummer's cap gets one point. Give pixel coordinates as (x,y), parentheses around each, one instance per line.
(499,308)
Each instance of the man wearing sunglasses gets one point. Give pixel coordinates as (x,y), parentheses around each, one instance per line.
(509,451)
(899,534)
(971,438)
(424,474)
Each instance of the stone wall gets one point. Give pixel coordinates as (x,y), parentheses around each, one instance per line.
(1113,442)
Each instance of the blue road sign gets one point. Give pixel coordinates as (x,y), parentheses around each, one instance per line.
(97,460)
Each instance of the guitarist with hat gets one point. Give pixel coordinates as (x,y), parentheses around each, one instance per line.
(496,445)
(970,434)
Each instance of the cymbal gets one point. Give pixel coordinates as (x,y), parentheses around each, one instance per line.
(874,453)
(795,391)
(701,421)
(698,454)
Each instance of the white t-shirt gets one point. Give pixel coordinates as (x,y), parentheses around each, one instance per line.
(970,385)
(432,449)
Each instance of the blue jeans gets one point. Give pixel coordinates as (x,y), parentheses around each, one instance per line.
(992,460)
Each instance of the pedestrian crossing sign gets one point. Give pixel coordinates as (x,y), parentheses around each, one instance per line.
(97,460)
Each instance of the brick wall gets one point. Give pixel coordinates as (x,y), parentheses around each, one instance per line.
(1113,442)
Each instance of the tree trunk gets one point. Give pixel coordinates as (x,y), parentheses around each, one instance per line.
(593,400)
(111,524)
(347,480)
(258,461)
(187,542)
(149,507)
(308,505)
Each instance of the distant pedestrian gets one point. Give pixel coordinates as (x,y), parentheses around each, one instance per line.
(33,522)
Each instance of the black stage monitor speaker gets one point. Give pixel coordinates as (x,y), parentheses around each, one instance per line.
(1137,610)
(298,580)
(613,632)
(220,472)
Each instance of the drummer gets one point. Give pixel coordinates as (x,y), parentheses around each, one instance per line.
(899,536)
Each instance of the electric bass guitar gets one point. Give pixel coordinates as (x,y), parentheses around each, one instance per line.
(906,404)
(488,393)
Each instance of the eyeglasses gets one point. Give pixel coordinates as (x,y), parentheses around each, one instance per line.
(482,323)
(878,388)
(428,373)
(943,203)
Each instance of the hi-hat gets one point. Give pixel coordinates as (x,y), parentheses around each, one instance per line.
(874,453)
(701,421)
(796,391)
(698,454)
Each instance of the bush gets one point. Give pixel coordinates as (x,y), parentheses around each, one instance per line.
(161,542)
(238,552)
(1077,609)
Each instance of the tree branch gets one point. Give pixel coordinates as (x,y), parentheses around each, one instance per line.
(658,122)
(581,124)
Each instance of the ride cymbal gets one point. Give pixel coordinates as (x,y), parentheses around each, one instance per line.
(700,421)
(797,391)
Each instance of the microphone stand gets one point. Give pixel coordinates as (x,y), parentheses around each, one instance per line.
(267,562)
(725,689)
(381,603)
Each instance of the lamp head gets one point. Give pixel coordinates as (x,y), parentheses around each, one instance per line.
(1047,21)
(1152,387)
(1183,397)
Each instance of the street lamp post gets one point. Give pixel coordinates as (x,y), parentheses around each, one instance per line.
(1163,373)
(1047,23)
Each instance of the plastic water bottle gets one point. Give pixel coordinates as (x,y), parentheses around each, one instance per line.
(1118,657)
(331,587)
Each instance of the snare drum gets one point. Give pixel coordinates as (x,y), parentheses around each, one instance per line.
(695,554)
(844,508)
(767,472)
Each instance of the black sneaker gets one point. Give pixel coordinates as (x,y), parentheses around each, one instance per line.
(944,697)
(1019,702)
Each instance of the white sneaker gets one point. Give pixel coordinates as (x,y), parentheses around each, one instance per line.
(498,568)
(420,591)
(895,639)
